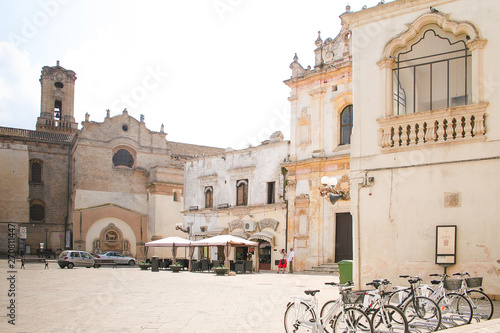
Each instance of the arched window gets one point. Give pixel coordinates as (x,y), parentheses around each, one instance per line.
(36,172)
(209,197)
(242,192)
(123,157)
(346,125)
(37,211)
(432,72)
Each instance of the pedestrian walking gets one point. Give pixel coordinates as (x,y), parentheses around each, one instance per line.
(282,262)
(291,255)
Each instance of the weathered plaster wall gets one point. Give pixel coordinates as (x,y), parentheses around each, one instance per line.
(396,218)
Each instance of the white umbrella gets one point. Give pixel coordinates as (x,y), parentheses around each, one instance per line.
(170,241)
(173,242)
(225,240)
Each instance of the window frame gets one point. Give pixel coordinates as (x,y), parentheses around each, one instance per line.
(209,197)
(32,163)
(348,108)
(38,203)
(271,193)
(242,198)
(414,69)
(132,156)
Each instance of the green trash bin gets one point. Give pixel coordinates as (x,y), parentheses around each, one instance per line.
(345,269)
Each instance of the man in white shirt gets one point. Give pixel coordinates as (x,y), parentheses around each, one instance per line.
(290,259)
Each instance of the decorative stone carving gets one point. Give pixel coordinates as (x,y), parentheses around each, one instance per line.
(268,223)
(318,92)
(239,223)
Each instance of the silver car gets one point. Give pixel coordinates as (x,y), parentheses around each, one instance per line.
(119,258)
(72,258)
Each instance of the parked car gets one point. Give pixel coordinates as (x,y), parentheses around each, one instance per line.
(118,258)
(72,258)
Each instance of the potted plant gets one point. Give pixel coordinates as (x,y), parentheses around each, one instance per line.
(176,267)
(221,270)
(143,265)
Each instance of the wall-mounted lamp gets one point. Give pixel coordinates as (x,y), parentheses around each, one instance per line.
(179,226)
(331,189)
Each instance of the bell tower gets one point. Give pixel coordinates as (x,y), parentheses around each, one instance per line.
(58,96)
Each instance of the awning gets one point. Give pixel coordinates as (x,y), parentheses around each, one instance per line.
(263,235)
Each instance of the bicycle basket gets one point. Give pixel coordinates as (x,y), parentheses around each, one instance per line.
(354,297)
(474,282)
(452,284)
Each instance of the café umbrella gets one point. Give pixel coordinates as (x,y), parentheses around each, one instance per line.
(225,240)
(173,242)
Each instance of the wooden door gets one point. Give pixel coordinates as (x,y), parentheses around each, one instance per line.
(343,237)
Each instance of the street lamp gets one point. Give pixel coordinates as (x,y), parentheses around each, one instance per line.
(331,189)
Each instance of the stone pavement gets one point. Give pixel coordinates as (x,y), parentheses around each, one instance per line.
(127,299)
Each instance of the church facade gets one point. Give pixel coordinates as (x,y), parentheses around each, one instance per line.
(111,185)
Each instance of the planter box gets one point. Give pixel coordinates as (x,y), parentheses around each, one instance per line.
(221,271)
(144,267)
(175,269)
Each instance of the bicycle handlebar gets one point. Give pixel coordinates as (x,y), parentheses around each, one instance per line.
(347,284)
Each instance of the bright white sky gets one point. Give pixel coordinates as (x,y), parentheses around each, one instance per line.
(211,71)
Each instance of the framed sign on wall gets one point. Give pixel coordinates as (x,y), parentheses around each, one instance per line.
(446,245)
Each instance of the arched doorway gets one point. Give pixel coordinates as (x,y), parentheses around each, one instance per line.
(264,255)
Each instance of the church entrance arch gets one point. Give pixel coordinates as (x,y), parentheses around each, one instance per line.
(111,234)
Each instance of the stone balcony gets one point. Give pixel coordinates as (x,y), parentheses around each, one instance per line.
(459,124)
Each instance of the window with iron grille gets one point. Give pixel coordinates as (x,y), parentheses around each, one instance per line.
(123,157)
(36,173)
(434,72)
(37,212)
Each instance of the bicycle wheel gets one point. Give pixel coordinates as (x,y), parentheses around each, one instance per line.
(389,319)
(299,318)
(396,298)
(455,309)
(422,314)
(325,310)
(482,306)
(352,320)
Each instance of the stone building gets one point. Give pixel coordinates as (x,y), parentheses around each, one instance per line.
(111,185)
(321,122)
(425,143)
(240,193)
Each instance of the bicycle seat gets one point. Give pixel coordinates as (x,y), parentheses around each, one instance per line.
(435,281)
(311,292)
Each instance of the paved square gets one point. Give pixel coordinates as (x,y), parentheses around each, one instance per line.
(127,299)
(130,300)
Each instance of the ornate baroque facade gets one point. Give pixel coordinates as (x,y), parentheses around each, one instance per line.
(321,121)
(111,185)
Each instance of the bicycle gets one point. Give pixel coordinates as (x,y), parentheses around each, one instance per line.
(385,317)
(482,306)
(456,310)
(423,313)
(300,315)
